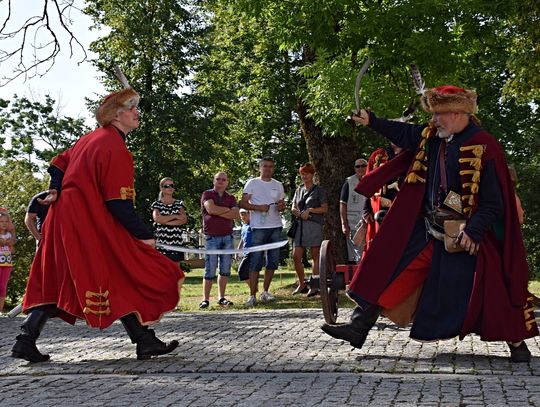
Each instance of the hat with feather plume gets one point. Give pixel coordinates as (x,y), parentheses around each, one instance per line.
(449,98)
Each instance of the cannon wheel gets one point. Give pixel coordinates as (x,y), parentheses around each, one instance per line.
(328,289)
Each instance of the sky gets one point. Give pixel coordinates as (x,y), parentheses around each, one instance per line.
(68,82)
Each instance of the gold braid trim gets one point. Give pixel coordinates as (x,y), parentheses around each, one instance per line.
(473,186)
(475,174)
(419,164)
(476,163)
(528,313)
(477,149)
(103,307)
(414,177)
(468,198)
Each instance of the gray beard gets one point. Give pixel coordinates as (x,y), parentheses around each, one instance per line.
(443,134)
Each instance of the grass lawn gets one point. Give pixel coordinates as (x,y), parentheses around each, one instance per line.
(534,287)
(282,286)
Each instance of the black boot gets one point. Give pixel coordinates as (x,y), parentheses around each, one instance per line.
(356,331)
(520,354)
(147,343)
(25,347)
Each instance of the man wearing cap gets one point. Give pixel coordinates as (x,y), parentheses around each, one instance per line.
(97,260)
(378,205)
(457,171)
(351,208)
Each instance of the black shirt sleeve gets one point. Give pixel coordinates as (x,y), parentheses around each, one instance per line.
(401,134)
(368,209)
(57,175)
(124,212)
(344,195)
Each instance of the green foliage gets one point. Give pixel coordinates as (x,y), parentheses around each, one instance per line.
(17,186)
(468,43)
(250,84)
(37,131)
(175,138)
(523,30)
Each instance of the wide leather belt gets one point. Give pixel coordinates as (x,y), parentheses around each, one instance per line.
(437,216)
(435,221)
(431,229)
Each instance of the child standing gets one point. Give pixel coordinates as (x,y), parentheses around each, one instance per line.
(6,249)
(245,242)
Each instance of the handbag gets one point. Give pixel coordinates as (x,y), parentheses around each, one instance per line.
(452,235)
(292,230)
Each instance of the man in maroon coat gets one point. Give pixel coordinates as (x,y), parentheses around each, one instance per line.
(454,171)
(97,260)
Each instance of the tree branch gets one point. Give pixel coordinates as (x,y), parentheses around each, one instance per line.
(36,56)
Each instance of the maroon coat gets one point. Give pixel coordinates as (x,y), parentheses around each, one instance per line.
(499,308)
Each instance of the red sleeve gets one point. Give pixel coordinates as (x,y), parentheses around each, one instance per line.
(116,174)
(61,161)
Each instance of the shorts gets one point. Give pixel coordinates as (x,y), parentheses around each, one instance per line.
(211,260)
(264,236)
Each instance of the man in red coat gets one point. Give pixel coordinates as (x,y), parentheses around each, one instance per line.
(96,260)
(454,170)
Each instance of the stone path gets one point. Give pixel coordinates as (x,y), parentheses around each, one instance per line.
(270,358)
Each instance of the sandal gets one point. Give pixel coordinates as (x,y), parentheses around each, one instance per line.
(204,304)
(300,290)
(224,302)
(312,293)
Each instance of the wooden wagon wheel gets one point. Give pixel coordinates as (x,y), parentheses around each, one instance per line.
(328,288)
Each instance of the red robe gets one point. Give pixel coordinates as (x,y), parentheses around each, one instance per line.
(88,264)
(499,307)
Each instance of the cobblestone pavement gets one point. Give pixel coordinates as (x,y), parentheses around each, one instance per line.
(271,358)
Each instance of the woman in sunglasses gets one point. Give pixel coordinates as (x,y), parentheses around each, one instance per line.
(169,215)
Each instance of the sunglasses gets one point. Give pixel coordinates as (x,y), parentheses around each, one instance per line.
(360,166)
(167,186)
(221,179)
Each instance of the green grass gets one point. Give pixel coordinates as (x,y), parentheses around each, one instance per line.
(534,287)
(282,286)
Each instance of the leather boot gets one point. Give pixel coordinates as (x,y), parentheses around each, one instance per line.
(25,347)
(356,331)
(519,354)
(147,343)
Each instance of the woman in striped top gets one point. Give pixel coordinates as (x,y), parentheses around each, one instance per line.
(169,215)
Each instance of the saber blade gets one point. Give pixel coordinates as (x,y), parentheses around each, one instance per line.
(260,248)
(357,83)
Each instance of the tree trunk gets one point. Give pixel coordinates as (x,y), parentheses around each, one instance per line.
(333,159)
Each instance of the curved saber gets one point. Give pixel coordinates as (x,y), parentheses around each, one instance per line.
(260,248)
(357,83)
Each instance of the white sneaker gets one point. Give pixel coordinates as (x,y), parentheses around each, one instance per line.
(252,301)
(266,296)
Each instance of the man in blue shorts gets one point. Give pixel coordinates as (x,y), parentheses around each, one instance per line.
(264,198)
(219,210)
